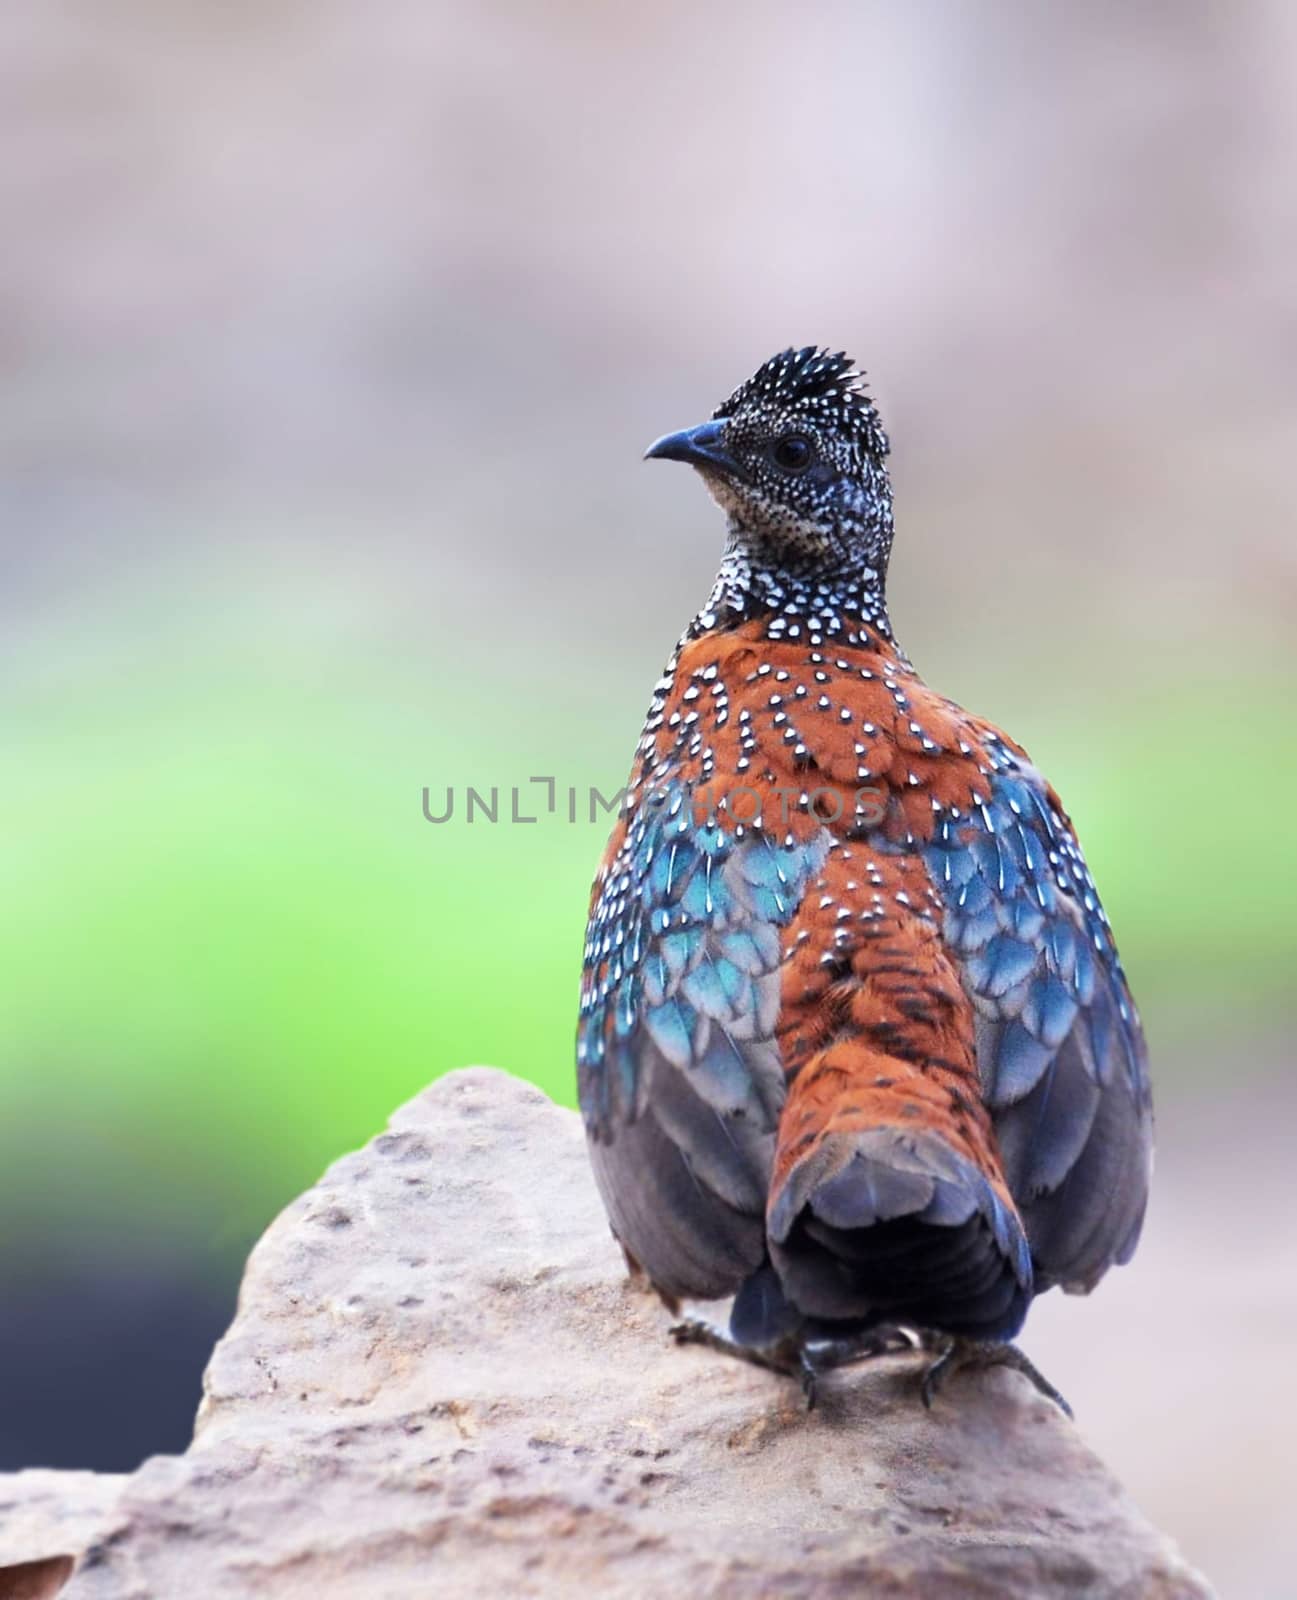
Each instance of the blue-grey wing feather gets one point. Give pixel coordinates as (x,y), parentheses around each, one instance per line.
(678,1068)
(1059,1044)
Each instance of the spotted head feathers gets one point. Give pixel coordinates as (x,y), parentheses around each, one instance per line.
(796,457)
(828,387)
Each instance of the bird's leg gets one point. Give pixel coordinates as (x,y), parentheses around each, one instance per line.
(957,1353)
(795,1356)
(841,1350)
(823,1355)
(786,1356)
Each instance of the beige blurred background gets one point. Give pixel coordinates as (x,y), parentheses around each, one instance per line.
(330,336)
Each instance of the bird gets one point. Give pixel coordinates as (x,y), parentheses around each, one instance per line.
(855,1043)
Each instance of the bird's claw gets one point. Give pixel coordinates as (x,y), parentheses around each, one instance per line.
(957,1353)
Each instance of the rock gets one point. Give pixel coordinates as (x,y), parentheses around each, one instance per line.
(439,1381)
(46,1520)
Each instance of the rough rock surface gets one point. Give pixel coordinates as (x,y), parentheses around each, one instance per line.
(440,1382)
(47,1518)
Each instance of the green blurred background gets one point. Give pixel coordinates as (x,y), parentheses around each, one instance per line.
(330,338)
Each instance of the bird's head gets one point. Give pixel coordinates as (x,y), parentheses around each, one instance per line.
(797,457)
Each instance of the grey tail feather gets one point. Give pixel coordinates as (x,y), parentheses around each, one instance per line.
(893,1225)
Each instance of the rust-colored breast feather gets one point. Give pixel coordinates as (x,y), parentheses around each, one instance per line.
(784,719)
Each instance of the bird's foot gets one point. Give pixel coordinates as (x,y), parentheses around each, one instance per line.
(824,1355)
(786,1357)
(796,1356)
(956,1353)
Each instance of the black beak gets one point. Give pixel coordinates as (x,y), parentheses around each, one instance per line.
(700,447)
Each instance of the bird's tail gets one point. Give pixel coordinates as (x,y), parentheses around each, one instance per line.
(887,1203)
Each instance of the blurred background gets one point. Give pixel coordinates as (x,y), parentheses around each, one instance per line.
(330,337)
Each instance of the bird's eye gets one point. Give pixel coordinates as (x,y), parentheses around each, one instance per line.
(792,453)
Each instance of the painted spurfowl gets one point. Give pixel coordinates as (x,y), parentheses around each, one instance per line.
(855,1043)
